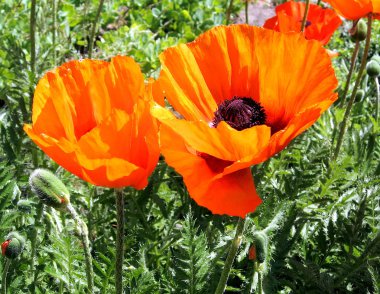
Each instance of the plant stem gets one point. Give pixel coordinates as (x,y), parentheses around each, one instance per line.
(259,278)
(82,228)
(228,12)
(354,91)
(119,240)
(54,32)
(304,20)
(4,277)
(33,241)
(349,76)
(231,256)
(377,110)
(246,11)
(32,28)
(93,30)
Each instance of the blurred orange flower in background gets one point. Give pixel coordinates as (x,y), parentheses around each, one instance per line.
(320,25)
(355,9)
(93,118)
(242,94)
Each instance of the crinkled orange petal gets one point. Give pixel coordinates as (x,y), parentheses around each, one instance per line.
(222,142)
(61,150)
(354,9)
(200,75)
(233,194)
(288,87)
(184,86)
(93,118)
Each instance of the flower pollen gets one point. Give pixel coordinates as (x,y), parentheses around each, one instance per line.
(240,113)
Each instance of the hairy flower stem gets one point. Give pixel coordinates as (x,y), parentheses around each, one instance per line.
(246,10)
(93,29)
(54,31)
(33,241)
(82,228)
(304,20)
(119,240)
(349,76)
(4,276)
(32,31)
(229,11)
(377,109)
(231,256)
(343,125)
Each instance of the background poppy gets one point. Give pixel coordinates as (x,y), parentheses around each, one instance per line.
(355,9)
(320,25)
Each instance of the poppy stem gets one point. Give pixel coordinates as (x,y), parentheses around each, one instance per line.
(119,240)
(349,76)
(32,29)
(304,20)
(231,256)
(83,231)
(228,12)
(93,29)
(33,241)
(343,125)
(259,278)
(246,10)
(377,110)
(4,276)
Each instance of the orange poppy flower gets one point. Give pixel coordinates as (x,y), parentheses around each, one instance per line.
(320,25)
(355,9)
(93,118)
(241,94)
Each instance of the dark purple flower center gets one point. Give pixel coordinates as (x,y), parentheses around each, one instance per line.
(240,113)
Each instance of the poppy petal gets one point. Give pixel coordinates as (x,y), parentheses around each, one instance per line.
(233,194)
(288,87)
(353,9)
(222,142)
(183,88)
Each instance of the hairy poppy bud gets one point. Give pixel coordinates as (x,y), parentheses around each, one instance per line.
(359,95)
(259,248)
(359,31)
(376,58)
(49,189)
(373,68)
(13,246)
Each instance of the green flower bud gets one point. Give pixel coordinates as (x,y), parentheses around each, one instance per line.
(49,189)
(259,248)
(13,246)
(359,95)
(373,68)
(376,58)
(359,32)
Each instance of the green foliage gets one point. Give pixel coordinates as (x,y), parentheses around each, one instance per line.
(192,259)
(321,219)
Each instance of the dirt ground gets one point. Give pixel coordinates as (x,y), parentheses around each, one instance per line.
(258,12)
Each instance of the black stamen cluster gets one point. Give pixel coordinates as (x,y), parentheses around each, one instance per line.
(240,113)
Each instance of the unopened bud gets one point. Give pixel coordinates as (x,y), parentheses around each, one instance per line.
(373,68)
(13,246)
(376,58)
(359,31)
(49,189)
(359,95)
(259,248)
